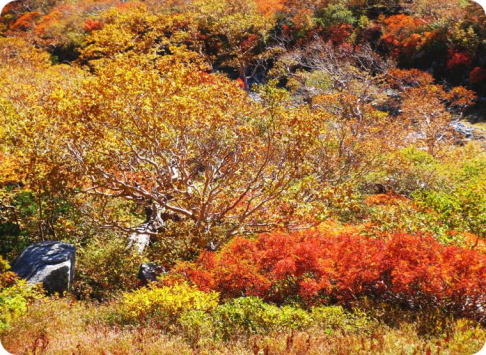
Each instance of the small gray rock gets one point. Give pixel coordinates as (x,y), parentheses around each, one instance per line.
(149,272)
(50,263)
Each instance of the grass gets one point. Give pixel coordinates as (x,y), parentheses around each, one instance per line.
(64,326)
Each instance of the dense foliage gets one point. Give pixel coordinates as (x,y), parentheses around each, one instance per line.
(314,267)
(300,168)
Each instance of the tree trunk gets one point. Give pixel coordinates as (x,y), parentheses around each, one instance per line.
(154,223)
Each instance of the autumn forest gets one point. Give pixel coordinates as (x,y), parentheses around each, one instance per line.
(243,177)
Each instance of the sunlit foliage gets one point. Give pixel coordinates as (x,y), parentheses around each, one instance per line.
(280,159)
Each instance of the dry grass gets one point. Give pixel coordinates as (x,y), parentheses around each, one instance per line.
(68,327)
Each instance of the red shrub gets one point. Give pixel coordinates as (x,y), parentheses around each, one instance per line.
(250,42)
(339,34)
(458,59)
(91,25)
(404,34)
(477,75)
(416,271)
(240,83)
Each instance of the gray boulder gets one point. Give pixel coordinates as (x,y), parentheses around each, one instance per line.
(462,129)
(50,263)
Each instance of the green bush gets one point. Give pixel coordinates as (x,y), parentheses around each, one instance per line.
(461,209)
(334,318)
(198,326)
(199,316)
(242,316)
(447,194)
(104,266)
(335,14)
(406,217)
(15,295)
(409,169)
(183,309)
(294,318)
(248,315)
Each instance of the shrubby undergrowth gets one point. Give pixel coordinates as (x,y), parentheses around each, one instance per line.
(182,308)
(15,295)
(413,271)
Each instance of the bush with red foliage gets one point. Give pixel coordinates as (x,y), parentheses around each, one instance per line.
(8,279)
(458,59)
(409,270)
(404,34)
(477,75)
(338,34)
(91,25)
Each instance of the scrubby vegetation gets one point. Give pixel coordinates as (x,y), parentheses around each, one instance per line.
(295,166)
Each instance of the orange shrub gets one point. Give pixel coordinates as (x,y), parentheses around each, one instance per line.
(90,25)
(315,267)
(385,199)
(26,21)
(8,279)
(402,34)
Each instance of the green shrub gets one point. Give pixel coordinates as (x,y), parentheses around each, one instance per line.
(337,318)
(294,318)
(406,217)
(198,326)
(15,295)
(248,315)
(447,194)
(409,169)
(461,209)
(104,266)
(333,15)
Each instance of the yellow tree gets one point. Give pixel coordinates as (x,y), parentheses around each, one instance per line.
(229,33)
(187,145)
(138,28)
(33,163)
(347,84)
(233,31)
